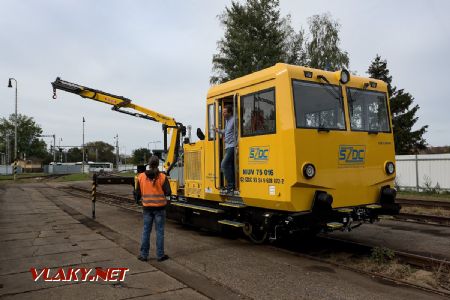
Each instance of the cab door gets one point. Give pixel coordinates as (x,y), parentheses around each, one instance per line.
(220,144)
(215,146)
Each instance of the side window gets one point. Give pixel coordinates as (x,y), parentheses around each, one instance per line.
(258,113)
(211,121)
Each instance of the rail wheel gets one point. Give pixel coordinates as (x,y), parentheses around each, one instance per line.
(256,235)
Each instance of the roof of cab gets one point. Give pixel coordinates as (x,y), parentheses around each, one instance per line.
(280,68)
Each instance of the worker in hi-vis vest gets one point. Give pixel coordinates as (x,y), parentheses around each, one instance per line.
(153,188)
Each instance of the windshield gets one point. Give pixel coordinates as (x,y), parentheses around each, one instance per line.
(318,106)
(368,110)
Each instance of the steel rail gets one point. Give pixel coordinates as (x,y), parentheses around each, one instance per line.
(423,203)
(424,219)
(413,259)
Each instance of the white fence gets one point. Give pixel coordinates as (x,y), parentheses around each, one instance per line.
(8,170)
(422,172)
(124,168)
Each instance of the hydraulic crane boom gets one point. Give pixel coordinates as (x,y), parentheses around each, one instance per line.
(119,103)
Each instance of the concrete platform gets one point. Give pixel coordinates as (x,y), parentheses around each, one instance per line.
(35,232)
(43,226)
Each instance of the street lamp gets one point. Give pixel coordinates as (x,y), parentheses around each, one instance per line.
(15,118)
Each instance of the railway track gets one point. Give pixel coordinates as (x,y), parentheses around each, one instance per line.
(49,176)
(423,219)
(409,258)
(426,216)
(344,246)
(315,249)
(423,203)
(418,218)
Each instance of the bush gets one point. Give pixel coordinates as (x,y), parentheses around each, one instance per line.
(382,255)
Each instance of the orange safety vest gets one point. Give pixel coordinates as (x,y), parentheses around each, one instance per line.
(152,194)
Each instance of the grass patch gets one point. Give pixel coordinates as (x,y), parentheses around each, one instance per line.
(382,261)
(21,176)
(126,174)
(423,195)
(75,177)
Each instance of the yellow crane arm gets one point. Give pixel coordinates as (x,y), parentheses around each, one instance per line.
(118,103)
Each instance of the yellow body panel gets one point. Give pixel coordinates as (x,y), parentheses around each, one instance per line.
(193,170)
(174,185)
(276,182)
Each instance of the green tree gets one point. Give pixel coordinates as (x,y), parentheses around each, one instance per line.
(141,156)
(74,155)
(103,151)
(323,51)
(407,140)
(257,36)
(29,145)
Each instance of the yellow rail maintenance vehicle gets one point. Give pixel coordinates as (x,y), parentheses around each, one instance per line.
(314,152)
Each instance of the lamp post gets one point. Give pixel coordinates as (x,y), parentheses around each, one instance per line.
(15,118)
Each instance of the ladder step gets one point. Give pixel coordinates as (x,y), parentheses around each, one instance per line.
(198,207)
(373,206)
(233,204)
(231,223)
(334,225)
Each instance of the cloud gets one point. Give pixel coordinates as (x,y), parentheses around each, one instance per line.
(158,53)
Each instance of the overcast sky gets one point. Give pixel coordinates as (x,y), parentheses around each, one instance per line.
(158,53)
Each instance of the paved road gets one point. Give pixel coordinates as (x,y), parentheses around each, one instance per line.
(203,261)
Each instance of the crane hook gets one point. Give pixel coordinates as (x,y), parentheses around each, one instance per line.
(54,94)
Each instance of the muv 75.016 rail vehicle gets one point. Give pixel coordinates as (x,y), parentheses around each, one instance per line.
(315,152)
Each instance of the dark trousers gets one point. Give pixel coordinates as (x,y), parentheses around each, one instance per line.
(159,217)
(227,167)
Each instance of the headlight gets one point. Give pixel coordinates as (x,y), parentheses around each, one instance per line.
(389,168)
(309,171)
(345,76)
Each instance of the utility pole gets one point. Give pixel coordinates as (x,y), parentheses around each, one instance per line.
(54,143)
(124,154)
(15,118)
(117,151)
(60,150)
(15,127)
(54,148)
(82,163)
(7,150)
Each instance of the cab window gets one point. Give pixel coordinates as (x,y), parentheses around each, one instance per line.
(211,121)
(368,110)
(258,113)
(318,106)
